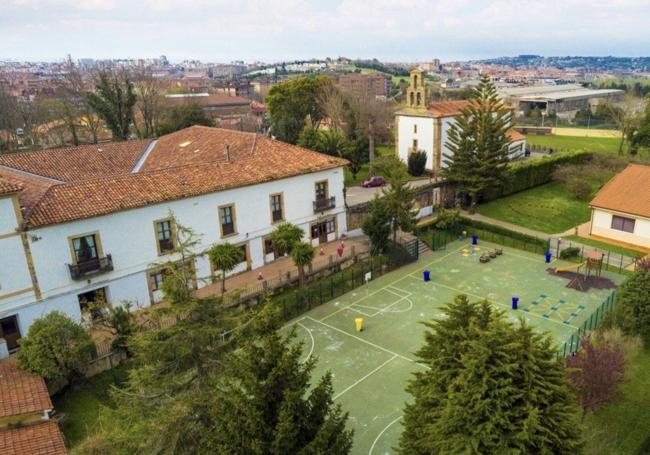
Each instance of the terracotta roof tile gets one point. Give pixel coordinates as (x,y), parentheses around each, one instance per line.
(43,438)
(515,135)
(21,392)
(447,108)
(190,162)
(8,187)
(69,164)
(627,192)
(34,186)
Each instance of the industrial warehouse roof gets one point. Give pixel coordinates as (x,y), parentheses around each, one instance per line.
(556,92)
(74,183)
(627,192)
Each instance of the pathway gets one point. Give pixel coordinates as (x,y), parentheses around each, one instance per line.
(504,224)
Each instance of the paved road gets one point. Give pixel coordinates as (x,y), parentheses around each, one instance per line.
(357,195)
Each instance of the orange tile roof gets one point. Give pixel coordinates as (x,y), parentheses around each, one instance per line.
(43,438)
(8,187)
(69,164)
(515,135)
(627,192)
(190,162)
(447,108)
(21,392)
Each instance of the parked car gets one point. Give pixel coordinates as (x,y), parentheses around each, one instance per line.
(377,180)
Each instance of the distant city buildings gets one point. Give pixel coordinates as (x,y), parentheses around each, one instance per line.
(370,85)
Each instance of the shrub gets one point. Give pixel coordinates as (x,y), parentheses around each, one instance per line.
(578,187)
(531,173)
(56,348)
(417,162)
(632,310)
(571,252)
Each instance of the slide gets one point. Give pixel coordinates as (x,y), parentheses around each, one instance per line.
(566,268)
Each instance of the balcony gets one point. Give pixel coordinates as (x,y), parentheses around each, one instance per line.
(92,267)
(321,205)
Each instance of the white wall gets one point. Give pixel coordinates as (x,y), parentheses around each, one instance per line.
(601,226)
(130,239)
(424,136)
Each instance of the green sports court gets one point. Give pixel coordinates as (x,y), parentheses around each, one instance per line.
(371,367)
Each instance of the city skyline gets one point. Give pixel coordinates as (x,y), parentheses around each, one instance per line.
(394,30)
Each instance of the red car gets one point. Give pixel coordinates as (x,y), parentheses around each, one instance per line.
(374,181)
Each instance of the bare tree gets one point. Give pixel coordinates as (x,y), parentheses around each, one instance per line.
(74,96)
(374,117)
(9,120)
(333,104)
(627,116)
(147,89)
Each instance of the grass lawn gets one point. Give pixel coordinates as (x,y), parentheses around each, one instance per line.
(547,208)
(82,403)
(624,427)
(605,246)
(595,144)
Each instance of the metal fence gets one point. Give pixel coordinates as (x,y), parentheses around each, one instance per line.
(614,262)
(438,239)
(595,319)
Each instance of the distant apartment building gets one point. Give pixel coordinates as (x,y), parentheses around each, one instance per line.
(93,222)
(233,112)
(371,85)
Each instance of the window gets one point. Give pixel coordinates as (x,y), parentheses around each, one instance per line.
(622,224)
(415,128)
(164,236)
(415,144)
(321,190)
(85,248)
(94,302)
(227,219)
(244,252)
(276,208)
(268,246)
(157,279)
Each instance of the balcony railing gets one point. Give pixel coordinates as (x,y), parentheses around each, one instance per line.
(83,270)
(324,204)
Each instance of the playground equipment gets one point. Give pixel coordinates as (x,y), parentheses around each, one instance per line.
(592,266)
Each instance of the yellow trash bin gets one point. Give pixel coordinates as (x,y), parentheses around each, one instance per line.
(358,323)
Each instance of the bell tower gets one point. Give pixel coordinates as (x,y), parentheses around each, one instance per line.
(416,95)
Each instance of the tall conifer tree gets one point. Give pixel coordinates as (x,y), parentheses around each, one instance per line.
(491,387)
(479,143)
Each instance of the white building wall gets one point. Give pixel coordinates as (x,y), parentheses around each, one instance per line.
(424,137)
(129,237)
(601,225)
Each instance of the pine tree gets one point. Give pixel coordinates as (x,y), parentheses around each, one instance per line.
(479,143)
(491,387)
(264,402)
(399,195)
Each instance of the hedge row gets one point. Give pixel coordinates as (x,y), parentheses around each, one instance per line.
(531,173)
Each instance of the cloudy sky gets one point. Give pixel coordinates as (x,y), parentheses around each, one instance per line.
(396,30)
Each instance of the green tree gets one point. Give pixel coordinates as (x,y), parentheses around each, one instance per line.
(113,100)
(302,255)
(399,195)
(56,348)
(176,118)
(488,387)
(120,322)
(377,225)
(357,154)
(285,236)
(331,143)
(308,138)
(265,403)
(632,310)
(479,143)
(225,257)
(417,162)
(291,103)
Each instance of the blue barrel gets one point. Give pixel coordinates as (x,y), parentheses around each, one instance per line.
(548,257)
(515,302)
(426,275)
(474,239)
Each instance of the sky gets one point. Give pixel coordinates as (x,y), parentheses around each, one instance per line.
(274,30)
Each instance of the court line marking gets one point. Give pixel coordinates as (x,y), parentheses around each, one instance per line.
(313,342)
(496,303)
(374,443)
(359,381)
(391,283)
(370,343)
